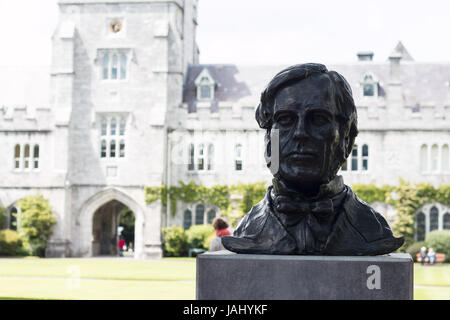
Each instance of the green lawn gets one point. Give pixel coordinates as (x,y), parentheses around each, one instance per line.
(169,278)
(98,279)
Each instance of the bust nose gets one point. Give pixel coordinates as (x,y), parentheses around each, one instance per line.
(300,129)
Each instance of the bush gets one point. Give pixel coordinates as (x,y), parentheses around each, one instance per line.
(2,217)
(36,222)
(414,249)
(440,242)
(11,244)
(198,236)
(175,243)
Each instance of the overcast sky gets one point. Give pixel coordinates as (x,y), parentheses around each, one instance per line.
(265,31)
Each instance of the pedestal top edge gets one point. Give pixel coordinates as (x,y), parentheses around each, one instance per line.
(225,254)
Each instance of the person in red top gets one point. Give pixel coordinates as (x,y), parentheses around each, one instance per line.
(121,245)
(221,227)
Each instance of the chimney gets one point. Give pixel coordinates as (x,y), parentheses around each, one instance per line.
(365,56)
(395,92)
(394,61)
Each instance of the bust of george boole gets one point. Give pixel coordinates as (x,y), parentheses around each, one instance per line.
(311,124)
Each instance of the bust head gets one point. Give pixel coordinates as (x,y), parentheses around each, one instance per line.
(313,112)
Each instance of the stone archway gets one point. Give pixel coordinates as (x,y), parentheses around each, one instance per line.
(95,204)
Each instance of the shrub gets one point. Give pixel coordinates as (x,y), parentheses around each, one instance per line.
(10,243)
(2,217)
(440,242)
(36,222)
(175,243)
(414,249)
(198,235)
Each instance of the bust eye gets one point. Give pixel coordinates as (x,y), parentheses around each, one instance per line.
(285,120)
(319,119)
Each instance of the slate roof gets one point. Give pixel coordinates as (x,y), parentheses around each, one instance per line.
(228,88)
(422,83)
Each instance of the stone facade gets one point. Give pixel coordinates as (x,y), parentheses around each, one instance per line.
(129,106)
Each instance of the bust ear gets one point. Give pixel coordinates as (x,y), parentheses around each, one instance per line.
(350,140)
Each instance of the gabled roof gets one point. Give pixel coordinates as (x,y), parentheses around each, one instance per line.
(227,88)
(401,51)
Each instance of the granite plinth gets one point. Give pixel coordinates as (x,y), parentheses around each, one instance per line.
(224,275)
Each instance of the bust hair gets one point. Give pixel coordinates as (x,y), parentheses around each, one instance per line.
(347,115)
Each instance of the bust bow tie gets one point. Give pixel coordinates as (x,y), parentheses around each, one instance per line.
(321,209)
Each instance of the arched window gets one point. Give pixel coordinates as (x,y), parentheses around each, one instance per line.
(211,216)
(238,158)
(424,158)
(369,86)
(36,156)
(434,219)
(445,164)
(103,149)
(365,157)
(114,67)
(447,221)
(13,218)
(26,163)
(205,86)
(434,157)
(106,66)
(122,149)
(210,156)
(191,157)
(122,126)
(199,213)
(112,149)
(104,126)
(201,158)
(420,226)
(123,66)
(113,126)
(17,156)
(355,158)
(187,219)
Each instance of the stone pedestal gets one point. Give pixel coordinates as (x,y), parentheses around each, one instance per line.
(224,275)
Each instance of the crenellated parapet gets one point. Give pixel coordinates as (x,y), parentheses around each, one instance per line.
(25,118)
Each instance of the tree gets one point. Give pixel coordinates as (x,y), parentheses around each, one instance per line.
(127,222)
(2,217)
(36,223)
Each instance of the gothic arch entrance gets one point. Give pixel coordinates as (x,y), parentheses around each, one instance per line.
(108,228)
(99,221)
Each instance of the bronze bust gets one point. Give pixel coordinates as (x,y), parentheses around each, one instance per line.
(311,124)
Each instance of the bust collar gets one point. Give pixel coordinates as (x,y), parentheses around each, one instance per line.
(326,190)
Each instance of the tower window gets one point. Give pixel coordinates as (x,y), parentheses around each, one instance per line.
(114,65)
(112,133)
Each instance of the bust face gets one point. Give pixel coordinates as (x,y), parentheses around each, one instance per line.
(305,115)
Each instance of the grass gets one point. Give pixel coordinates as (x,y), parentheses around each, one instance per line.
(169,278)
(99,279)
